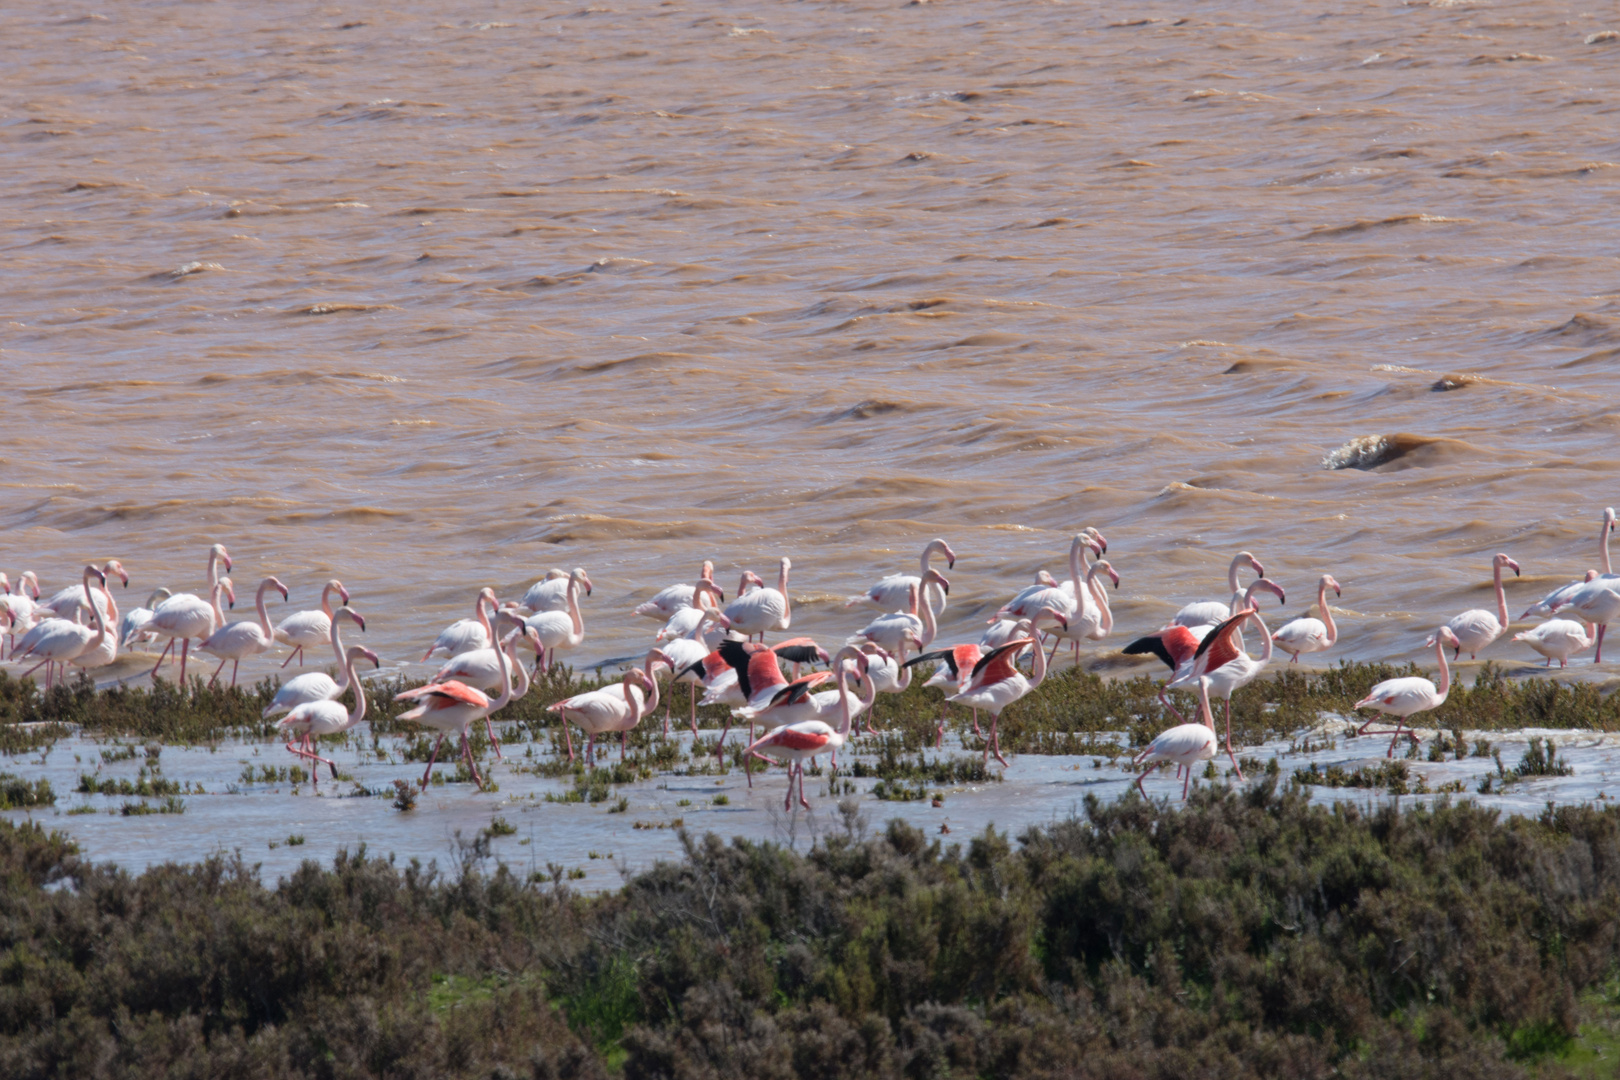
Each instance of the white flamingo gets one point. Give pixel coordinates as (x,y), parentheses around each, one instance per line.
(1307,634)
(69,602)
(889,594)
(313,686)
(762,609)
(1596,602)
(1559,596)
(1401,698)
(551,594)
(1476,628)
(465,635)
(1184,744)
(1556,639)
(560,629)
(1210,612)
(245,637)
(917,619)
(20,608)
(310,628)
(667,602)
(132,627)
(317,719)
(620,708)
(184,616)
(56,641)
(454,707)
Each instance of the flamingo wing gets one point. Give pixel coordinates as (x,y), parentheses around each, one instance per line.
(1220,646)
(447,693)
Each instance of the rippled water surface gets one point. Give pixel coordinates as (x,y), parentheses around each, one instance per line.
(437,296)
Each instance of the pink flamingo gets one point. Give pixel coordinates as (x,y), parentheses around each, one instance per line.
(1221,666)
(184,616)
(797,742)
(1309,635)
(1476,628)
(243,638)
(315,686)
(303,628)
(57,641)
(618,708)
(955,666)
(889,594)
(1210,612)
(763,609)
(1401,698)
(996,683)
(666,602)
(465,635)
(316,719)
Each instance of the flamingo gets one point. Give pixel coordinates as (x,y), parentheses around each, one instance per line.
(889,594)
(1091,618)
(888,672)
(1596,602)
(482,669)
(313,686)
(20,608)
(1401,698)
(1477,628)
(551,594)
(784,703)
(1556,639)
(465,635)
(244,637)
(917,619)
(303,628)
(954,665)
(185,616)
(997,683)
(559,629)
(804,739)
(1184,744)
(687,652)
(669,601)
(610,709)
(312,720)
(132,627)
(1308,635)
(453,706)
(1555,599)
(1220,665)
(1048,592)
(1210,612)
(69,602)
(1175,645)
(56,640)
(763,609)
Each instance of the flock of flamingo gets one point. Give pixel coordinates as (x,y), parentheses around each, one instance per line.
(719,646)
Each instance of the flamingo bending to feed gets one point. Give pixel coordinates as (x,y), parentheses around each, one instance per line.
(551,594)
(559,629)
(1221,666)
(796,742)
(1476,628)
(1184,744)
(315,719)
(996,683)
(70,603)
(314,686)
(1310,635)
(1556,639)
(465,635)
(185,616)
(1210,612)
(245,637)
(955,665)
(56,641)
(1401,698)
(454,706)
(1596,602)
(916,620)
(303,628)
(482,669)
(668,601)
(762,609)
(889,594)
(132,627)
(610,709)
(1559,596)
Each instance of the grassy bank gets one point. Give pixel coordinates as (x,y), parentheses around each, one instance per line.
(1251,934)
(1066,715)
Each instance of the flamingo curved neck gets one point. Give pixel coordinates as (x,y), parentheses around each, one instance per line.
(1099,597)
(787,601)
(1265,638)
(344,667)
(1327,614)
(1232,585)
(326,601)
(1038,674)
(500,662)
(264,615)
(95,613)
(577,635)
(1603,545)
(1443,688)
(349,677)
(1501,596)
(521,669)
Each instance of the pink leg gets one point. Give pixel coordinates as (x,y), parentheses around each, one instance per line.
(1229,752)
(290,656)
(234,665)
(161,655)
(939,730)
(1166,703)
(622,736)
(35,668)
(691,689)
(590,752)
(995,740)
(787,800)
(1139,778)
(185,651)
(1056,641)
(431,759)
(215,677)
(568,735)
(804,802)
(976,730)
(1185,784)
(1598,656)
(1396,737)
(472,766)
(489,725)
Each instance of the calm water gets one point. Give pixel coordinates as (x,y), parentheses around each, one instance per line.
(431,300)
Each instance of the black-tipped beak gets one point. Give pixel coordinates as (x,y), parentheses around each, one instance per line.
(1337,592)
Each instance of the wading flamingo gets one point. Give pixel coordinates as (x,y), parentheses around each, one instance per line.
(954,666)
(1596,602)
(996,683)
(761,610)
(310,628)
(184,616)
(1220,666)
(890,594)
(1401,698)
(316,719)
(1184,744)
(1310,635)
(1210,612)
(132,627)
(619,708)
(465,635)
(666,602)
(1556,639)
(481,668)
(314,686)
(551,594)
(1555,599)
(245,637)
(56,641)
(69,603)
(455,707)
(1477,628)
(559,629)
(804,739)
(915,619)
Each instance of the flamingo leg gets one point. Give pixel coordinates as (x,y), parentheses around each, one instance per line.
(804,802)
(1229,752)
(35,668)
(787,800)
(994,745)
(215,677)
(1396,737)
(976,730)
(1185,784)
(590,751)
(691,689)
(568,736)
(1141,776)
(160,658)
(1056,641)
(1598,657)
(623,735)
(472,766)
(489,725)
(1165,701)
(431,759)
(234,665)
(292,654)
(939,730)
(185,651)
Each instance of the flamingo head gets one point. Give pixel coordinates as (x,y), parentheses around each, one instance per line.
(360,652)
(337,586)
(1105,567)
(1608,518)
(350,614)
(708,570)
(1099,543)
(1045,615)
(93,572)
(1265,584)
(1503,562)
(228,587)
(583,578)
(854,656)
(532,636)
(934,577)
(750,578)
(5,584)
(655,657)
(275,583)
(218,552)
(1329,583)
(486,595)
(115,567)
(1444,635)
(1044,577)
(639,678)
(1243,558)
(29,583)
(937,546)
